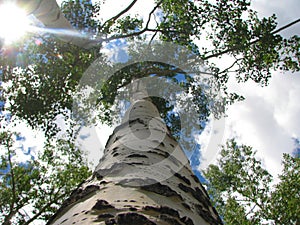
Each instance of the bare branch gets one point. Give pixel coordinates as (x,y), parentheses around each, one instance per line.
(155,33)
(251,210)
(146,28)
(113,19)
(286,26)
(232,65)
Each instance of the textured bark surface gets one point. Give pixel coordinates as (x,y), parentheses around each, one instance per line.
(144,178)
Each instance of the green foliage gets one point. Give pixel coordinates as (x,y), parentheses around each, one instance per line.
(34,189)
(39,77)
(241,189)
(285,199)
(180,24)
(128,25)
(233,28)
(82,15)
(43,72)
(48,73)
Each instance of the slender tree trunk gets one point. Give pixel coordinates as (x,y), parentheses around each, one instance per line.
(143,178)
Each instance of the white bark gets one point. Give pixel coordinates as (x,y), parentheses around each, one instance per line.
(144,178)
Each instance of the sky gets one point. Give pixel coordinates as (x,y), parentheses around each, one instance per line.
(268,119)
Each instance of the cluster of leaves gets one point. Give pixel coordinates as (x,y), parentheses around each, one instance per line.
(82,15)
(285,199)
(43,89)
(234,29)
(34,189)
(50,71)
(241,188)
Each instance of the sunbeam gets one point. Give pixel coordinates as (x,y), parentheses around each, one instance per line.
(14,22)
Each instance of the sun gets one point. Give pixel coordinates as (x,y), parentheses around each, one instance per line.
(14,22)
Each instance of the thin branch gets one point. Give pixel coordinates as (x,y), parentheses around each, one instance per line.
(155,33)
(131,34)
(232,65)
(251,42)
(152,38)
(286,26)
(251,210)
(125,35)
(43,209)
(152,11)
(146,28)
(24,214)
(12,204)
(113,19)
(251,199)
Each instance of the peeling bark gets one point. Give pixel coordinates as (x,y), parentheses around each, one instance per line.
(144,178)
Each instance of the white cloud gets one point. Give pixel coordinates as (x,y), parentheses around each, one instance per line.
(210,141)
(92,141)
(266,120)
(286,12)
(269,117)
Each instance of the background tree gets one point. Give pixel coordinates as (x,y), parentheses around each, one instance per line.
(242,191)
(284,207)
(34,189)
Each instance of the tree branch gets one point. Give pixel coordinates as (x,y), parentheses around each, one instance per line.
(113,19)
(251,42)
(43,209)
(232,65)
(155,33)
(12,212)
(146,28)
(286,26)
(251,210)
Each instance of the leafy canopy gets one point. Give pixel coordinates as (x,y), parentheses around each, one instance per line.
(241,188)
(43,86)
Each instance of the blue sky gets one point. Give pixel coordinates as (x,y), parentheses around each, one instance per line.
(268,119)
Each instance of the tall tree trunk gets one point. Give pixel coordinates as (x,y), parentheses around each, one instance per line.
(143,178)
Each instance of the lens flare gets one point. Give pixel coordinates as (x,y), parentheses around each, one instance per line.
(14,22)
